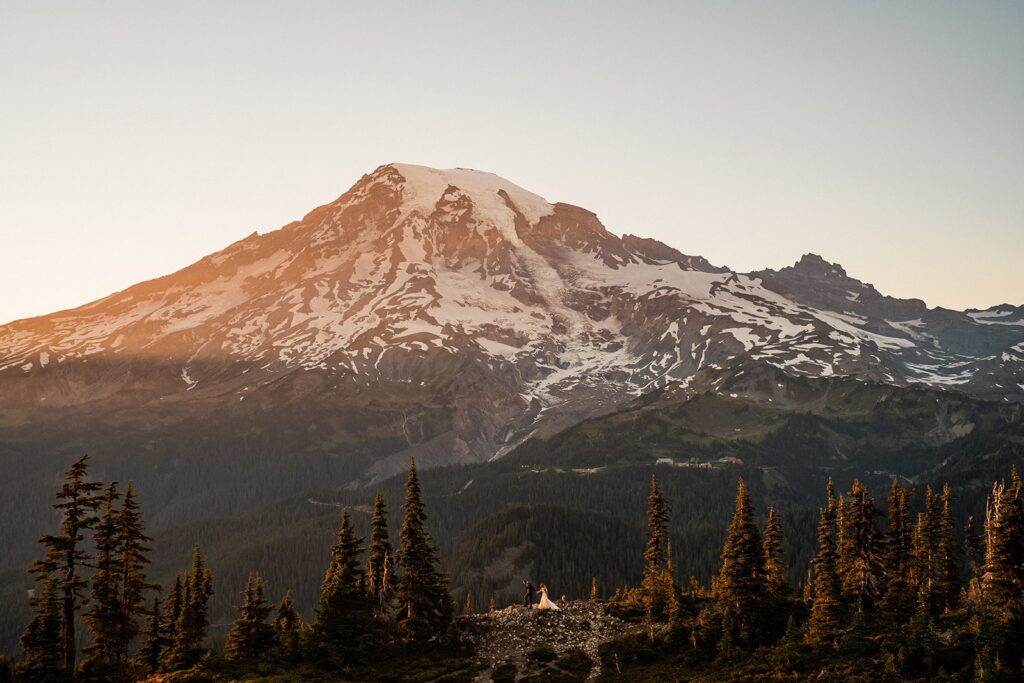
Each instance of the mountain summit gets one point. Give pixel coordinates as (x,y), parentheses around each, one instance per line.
(469,314)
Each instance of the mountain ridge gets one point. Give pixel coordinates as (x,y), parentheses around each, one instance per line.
(519,315)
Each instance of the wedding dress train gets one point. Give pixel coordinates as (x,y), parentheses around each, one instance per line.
(545,602)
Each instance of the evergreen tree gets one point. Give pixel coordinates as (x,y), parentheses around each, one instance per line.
(973,550)
(344,606)
(153,646)
(492,605)
(656,582)
(132,562)
(948,583)
(378,565)
(898,600)
(426,606)
(250,636)
(861,568)
(775,567)
(193,615)
(826,609)
(595,594)
(287,625)
(172,608)
(43,641)
(741,585)
(104,614)
(1003,580)
(77,500)
(925,552)
(467,608)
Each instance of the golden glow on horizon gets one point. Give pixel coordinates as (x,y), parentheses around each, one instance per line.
(139,138)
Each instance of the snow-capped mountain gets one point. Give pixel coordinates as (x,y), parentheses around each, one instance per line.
(517,315)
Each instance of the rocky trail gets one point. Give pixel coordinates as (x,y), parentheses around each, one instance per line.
(521,644)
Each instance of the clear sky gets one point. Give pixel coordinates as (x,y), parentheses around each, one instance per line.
(137,137)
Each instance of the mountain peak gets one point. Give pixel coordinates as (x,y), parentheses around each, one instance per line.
(424,187)
(813,263)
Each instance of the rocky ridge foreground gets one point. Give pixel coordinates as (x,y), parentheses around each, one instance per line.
(517,643)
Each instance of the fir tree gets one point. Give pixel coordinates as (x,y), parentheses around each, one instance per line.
(657,581)
(77,500)
(775,568)
(153,646)
(426,607)
(43,641)
(948,583)
(172,608)
(925,552)
(1003,580)
(378,564)
(898,598)
(287,625)
(344,607)
(861,567)
(973,550)
(467,607)
(132,562)
(250,636)
(492,605)
(193,615)
(595,594)
(104,614)
(826,609)
(741,583)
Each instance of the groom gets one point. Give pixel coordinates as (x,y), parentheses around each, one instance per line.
(528,590)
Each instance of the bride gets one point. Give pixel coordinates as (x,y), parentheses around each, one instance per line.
(545,602)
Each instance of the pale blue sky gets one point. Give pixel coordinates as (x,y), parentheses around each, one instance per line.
(135,138)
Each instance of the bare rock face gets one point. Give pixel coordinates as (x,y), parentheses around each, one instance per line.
(518,643)
(466,314)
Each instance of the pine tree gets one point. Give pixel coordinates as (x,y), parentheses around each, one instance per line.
(42,641)
(378,564)
(193,615)
(344,606)
(973,550)
(656,582)
(826,609)
(172,608)
(861,567)
(898,599)
(77,501)
(775,567)
(1003,579)
(467,607)
(426,606)
(492,605)
(250,637)
(287,625)
(925,571)
(948,582)
(132,562)
(104,614)
(741,585)
(595,594)
(153,646)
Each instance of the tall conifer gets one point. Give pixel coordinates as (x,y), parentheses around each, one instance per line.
(77,500)
(426,607)
(378,564)
(775,567)
(250,637)
(826,609)
(741,584)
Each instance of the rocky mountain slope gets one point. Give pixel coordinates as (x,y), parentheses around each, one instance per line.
(467,314)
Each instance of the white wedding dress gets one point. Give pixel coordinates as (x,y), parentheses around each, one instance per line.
(545,602)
